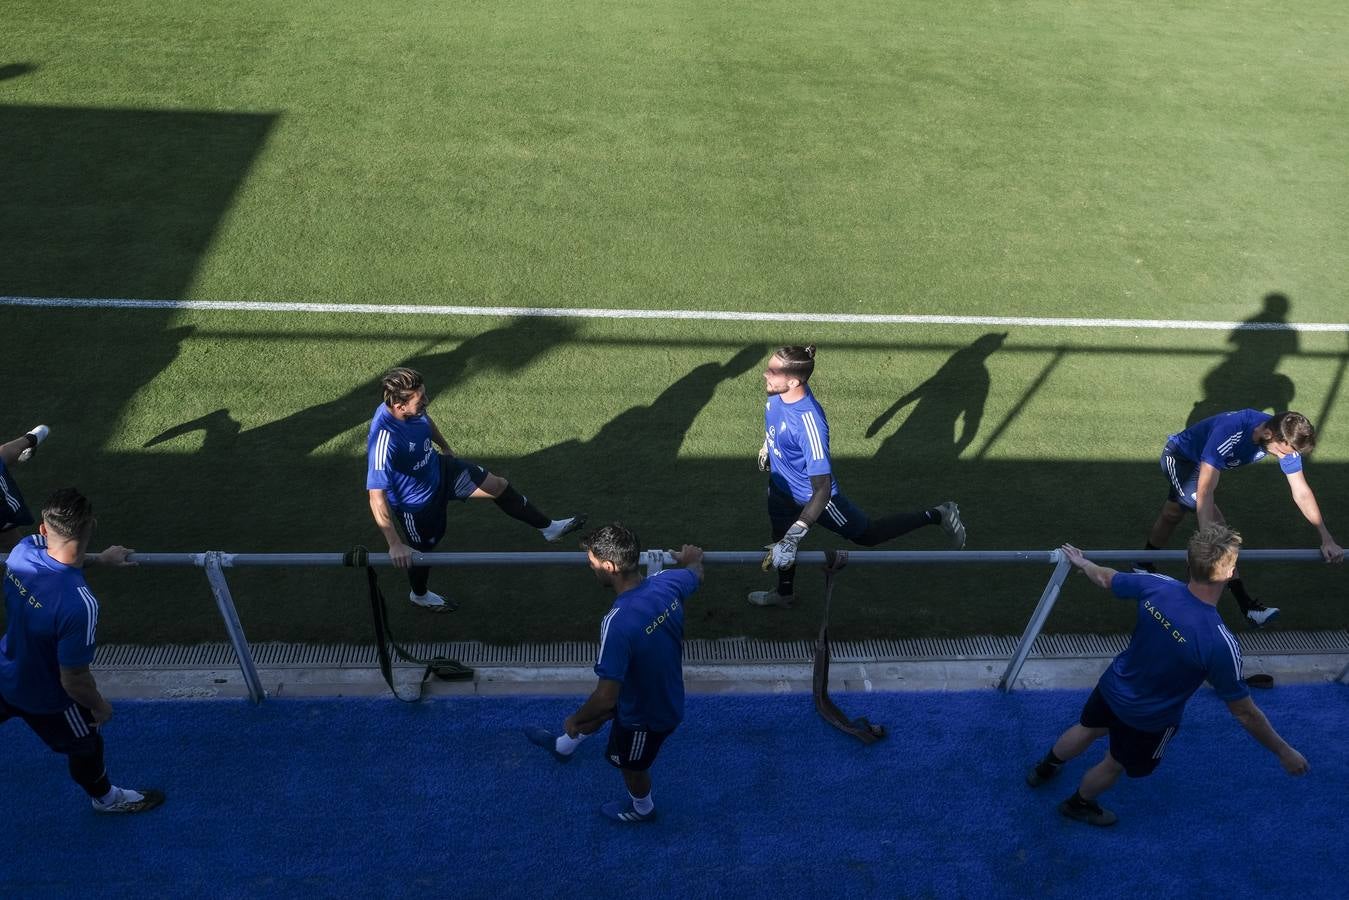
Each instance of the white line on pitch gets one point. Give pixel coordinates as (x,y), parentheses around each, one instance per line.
(711,315)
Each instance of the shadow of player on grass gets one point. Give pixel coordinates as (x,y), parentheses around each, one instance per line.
(1248,376)
(948,408)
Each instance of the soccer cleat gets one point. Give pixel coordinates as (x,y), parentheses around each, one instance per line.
(560,527)
(1038,774)
(125,800)
(1260,615)
(1089,812)
(623,811)
(769,598)
(432,602)
(542,737)
(951,524)
(39,434)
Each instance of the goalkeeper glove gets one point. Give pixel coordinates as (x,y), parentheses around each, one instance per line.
(763,458)
(782,555)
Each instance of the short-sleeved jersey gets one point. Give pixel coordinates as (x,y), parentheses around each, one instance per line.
(401,459)
(1224,441)
(642,645)
(798,445)
(1179,642)
(51,617)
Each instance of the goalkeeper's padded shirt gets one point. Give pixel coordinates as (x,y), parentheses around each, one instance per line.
(401,459)
(642,645)
(1179,642)
(798,445)
(51,616)
(1225,441)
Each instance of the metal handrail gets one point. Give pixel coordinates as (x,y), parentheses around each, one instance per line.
(214,562)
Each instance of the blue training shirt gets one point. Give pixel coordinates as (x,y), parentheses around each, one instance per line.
(401,459)
(798,445)
(51,616)
(1179,642)
(642,645)
(1224,441)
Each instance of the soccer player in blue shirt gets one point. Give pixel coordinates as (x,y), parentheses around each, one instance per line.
(51,619)
(1194,459)
(640,666)
(13,513)
(802,489)
(410,483)
(1179,642)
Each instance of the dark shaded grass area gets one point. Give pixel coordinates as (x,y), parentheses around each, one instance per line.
(757,797)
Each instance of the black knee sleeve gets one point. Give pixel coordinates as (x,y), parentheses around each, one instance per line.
(517,506)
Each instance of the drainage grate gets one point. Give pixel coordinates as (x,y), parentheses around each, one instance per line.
(697,652)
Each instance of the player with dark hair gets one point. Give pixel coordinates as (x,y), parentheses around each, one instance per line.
(802,489)
(640,666)
(13,513)
(1194,459)
(407,476)
(1179,642)
(51,619)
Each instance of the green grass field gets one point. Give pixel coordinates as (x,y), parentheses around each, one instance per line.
(1164,160)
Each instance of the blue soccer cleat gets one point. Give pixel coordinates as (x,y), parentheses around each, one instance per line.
(542,737)
(622,811)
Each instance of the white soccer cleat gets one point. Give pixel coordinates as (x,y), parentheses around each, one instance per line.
(39,434)
(554,532)
(1260,615)
(125,800)
(769,598)
(432,602)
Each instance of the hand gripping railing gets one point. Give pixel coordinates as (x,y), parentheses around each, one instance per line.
(215,562)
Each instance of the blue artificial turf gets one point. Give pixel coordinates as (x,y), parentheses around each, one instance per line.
(757,797)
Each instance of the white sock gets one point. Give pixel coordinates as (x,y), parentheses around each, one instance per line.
(108,798)
(567,745)
(642,805)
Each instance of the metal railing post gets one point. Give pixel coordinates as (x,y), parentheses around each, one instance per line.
(220,589)
(1036,623)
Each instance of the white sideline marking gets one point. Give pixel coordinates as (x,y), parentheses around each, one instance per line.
(711,315)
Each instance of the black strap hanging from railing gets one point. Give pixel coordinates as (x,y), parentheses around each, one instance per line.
(860,728)
(442,667)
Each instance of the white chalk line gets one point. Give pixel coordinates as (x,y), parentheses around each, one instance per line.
(673,315)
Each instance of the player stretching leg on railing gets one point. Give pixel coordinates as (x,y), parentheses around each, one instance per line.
(13,514)
(411,484)
(801,485)
(1194,458)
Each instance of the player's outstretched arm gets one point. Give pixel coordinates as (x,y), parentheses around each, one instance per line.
(113,557)
(598,709)
(1311,511)
(1098,575)
(1205,496)
(399,552)
(691,558)
(1253,719)
(79,683)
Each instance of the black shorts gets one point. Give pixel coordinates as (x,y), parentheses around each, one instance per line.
(1140,752)
(840,515)
(71,732)
(13,512)
(425,527)
(633,749)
